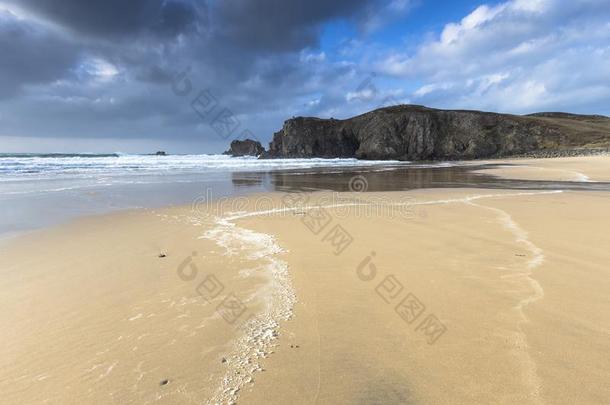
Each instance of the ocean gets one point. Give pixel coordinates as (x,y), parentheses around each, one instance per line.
(39,190)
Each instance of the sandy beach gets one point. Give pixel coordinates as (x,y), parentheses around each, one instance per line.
(373,202)
(426,296)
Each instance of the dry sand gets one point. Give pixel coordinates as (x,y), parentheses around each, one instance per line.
(441,296)
(581,168)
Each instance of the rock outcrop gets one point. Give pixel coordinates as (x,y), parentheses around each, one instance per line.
(246,147)
(410,132)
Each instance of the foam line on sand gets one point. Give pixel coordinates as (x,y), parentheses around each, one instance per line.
(529,368)
(262,331)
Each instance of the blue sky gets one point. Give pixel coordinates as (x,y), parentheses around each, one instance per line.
(101,76)
(418,19)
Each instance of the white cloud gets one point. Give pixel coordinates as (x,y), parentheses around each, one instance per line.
(313,103)
(100,70)
(454,32)
(430,88)
(103,69)
(517,56)
(308,57)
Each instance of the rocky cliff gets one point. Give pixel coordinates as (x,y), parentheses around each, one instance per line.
(410,132)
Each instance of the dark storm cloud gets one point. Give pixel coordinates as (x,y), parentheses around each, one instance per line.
(30,55)
(154,74)
(118,18)
(117,59)
(279,25)
(227,37)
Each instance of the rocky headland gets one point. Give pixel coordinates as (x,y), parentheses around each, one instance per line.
(411,132)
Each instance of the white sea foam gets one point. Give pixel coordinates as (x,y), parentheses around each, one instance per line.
(107,167)
(261,331)
(235,240)
(233,216)
(584,178)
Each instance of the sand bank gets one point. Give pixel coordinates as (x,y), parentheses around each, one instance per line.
(581,168)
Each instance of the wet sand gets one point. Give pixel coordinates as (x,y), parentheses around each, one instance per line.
(526,320)
(425,296)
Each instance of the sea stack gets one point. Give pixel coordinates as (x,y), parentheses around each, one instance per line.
(247,147)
